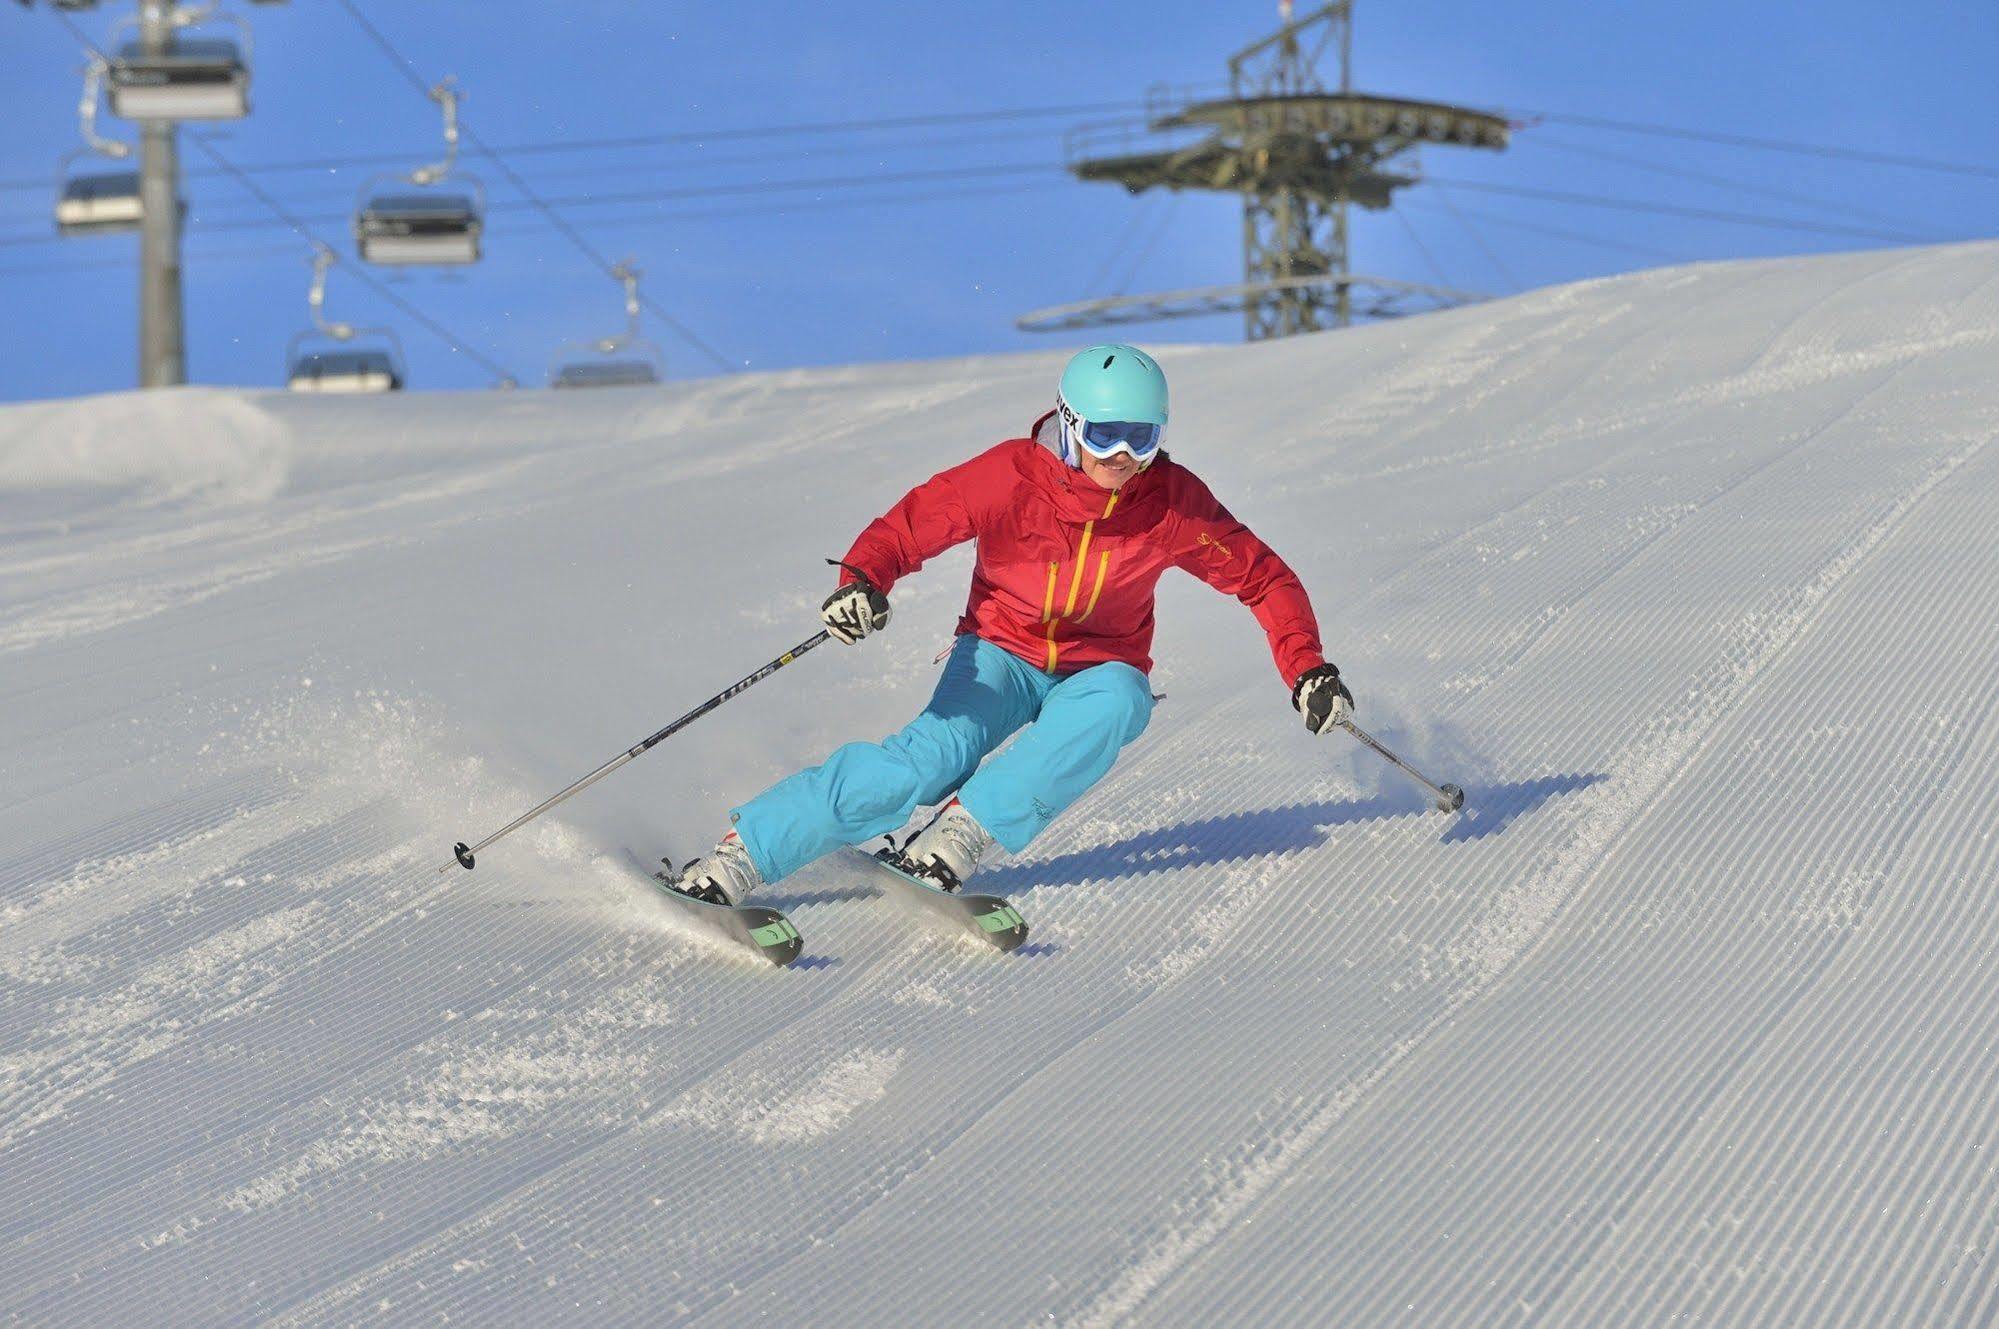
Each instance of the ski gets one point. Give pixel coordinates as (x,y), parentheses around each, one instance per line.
(763,930)
(987,917)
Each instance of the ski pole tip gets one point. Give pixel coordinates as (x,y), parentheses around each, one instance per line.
(464,855)
(1454,798)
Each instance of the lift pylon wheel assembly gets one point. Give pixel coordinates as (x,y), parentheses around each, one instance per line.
(326,356)
(405,220)
(623,361)
(1300,155)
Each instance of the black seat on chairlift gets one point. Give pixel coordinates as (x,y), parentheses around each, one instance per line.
(186,60)
(421,214)
(605,374)
(102,187)
(195,78)
(347,367)
(419,228)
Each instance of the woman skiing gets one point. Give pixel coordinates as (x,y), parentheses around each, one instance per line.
(1074,526)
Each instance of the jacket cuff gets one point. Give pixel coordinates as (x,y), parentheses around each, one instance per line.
(1311,662)
(851,572)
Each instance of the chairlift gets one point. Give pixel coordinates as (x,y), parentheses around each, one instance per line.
(195,78)
(402,220)
(344,369)
(605,374)
(99,202)
(325,358)
(624,361)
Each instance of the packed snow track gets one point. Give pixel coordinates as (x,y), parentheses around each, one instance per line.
(1687,577)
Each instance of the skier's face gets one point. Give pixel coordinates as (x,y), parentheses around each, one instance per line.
(1112,473)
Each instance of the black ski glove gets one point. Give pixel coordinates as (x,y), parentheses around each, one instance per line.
(1321,698)
(855,610)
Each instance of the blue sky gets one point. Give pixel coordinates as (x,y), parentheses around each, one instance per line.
(840,273)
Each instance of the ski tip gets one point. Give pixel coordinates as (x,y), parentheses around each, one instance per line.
(998,922)
(777,937)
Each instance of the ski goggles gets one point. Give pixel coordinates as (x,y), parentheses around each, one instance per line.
(1104,439)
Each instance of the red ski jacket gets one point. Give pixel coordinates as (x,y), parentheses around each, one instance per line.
(1066,570)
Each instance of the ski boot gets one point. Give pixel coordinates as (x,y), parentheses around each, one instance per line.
(726,877)
(948,850)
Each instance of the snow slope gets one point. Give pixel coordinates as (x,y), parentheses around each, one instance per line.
(1688,577)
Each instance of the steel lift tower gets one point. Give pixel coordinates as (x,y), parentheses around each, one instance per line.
(1300,155)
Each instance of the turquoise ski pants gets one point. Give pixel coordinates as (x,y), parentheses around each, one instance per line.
(1079,723)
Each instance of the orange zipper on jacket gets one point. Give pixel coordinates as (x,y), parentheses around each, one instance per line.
(1048,614)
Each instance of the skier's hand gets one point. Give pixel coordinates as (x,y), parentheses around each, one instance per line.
(853,611)
(1322,699)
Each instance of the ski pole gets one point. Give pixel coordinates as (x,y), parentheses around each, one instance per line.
(1449,797)
(462,854)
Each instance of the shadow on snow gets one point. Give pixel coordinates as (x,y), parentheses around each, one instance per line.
(1489,809)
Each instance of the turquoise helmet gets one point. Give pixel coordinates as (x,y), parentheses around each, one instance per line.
(1112,399)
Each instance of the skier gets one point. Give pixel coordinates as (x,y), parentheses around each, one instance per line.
(1074,526)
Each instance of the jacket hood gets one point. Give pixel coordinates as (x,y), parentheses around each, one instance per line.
(1047,432)
(1078,498)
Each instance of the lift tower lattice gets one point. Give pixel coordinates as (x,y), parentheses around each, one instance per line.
(1299,155)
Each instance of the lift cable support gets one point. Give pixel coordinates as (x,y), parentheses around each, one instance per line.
(1299,155)
(96,202)
(325,356)
(159,78)
(625,360)
(396,227)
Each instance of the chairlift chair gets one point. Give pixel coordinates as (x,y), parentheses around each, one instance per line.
(195,78)
(99,203)
(624,361)
(342,368)
(402,229)
(617,372)
(404,220)
(336,363)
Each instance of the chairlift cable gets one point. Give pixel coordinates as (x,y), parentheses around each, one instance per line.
(1762,144)
(648,218)
(199,226)
(1838,207)
(877,152)
(1429,259)
(321,165)
(1151,242)
(1557,232)
(1492,256)
(1677,210)
(1644,206)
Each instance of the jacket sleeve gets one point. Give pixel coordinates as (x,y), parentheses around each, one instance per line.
(929,519)
(1226,554)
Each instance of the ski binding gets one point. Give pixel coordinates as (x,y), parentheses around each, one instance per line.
(762,929)
(987,917)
